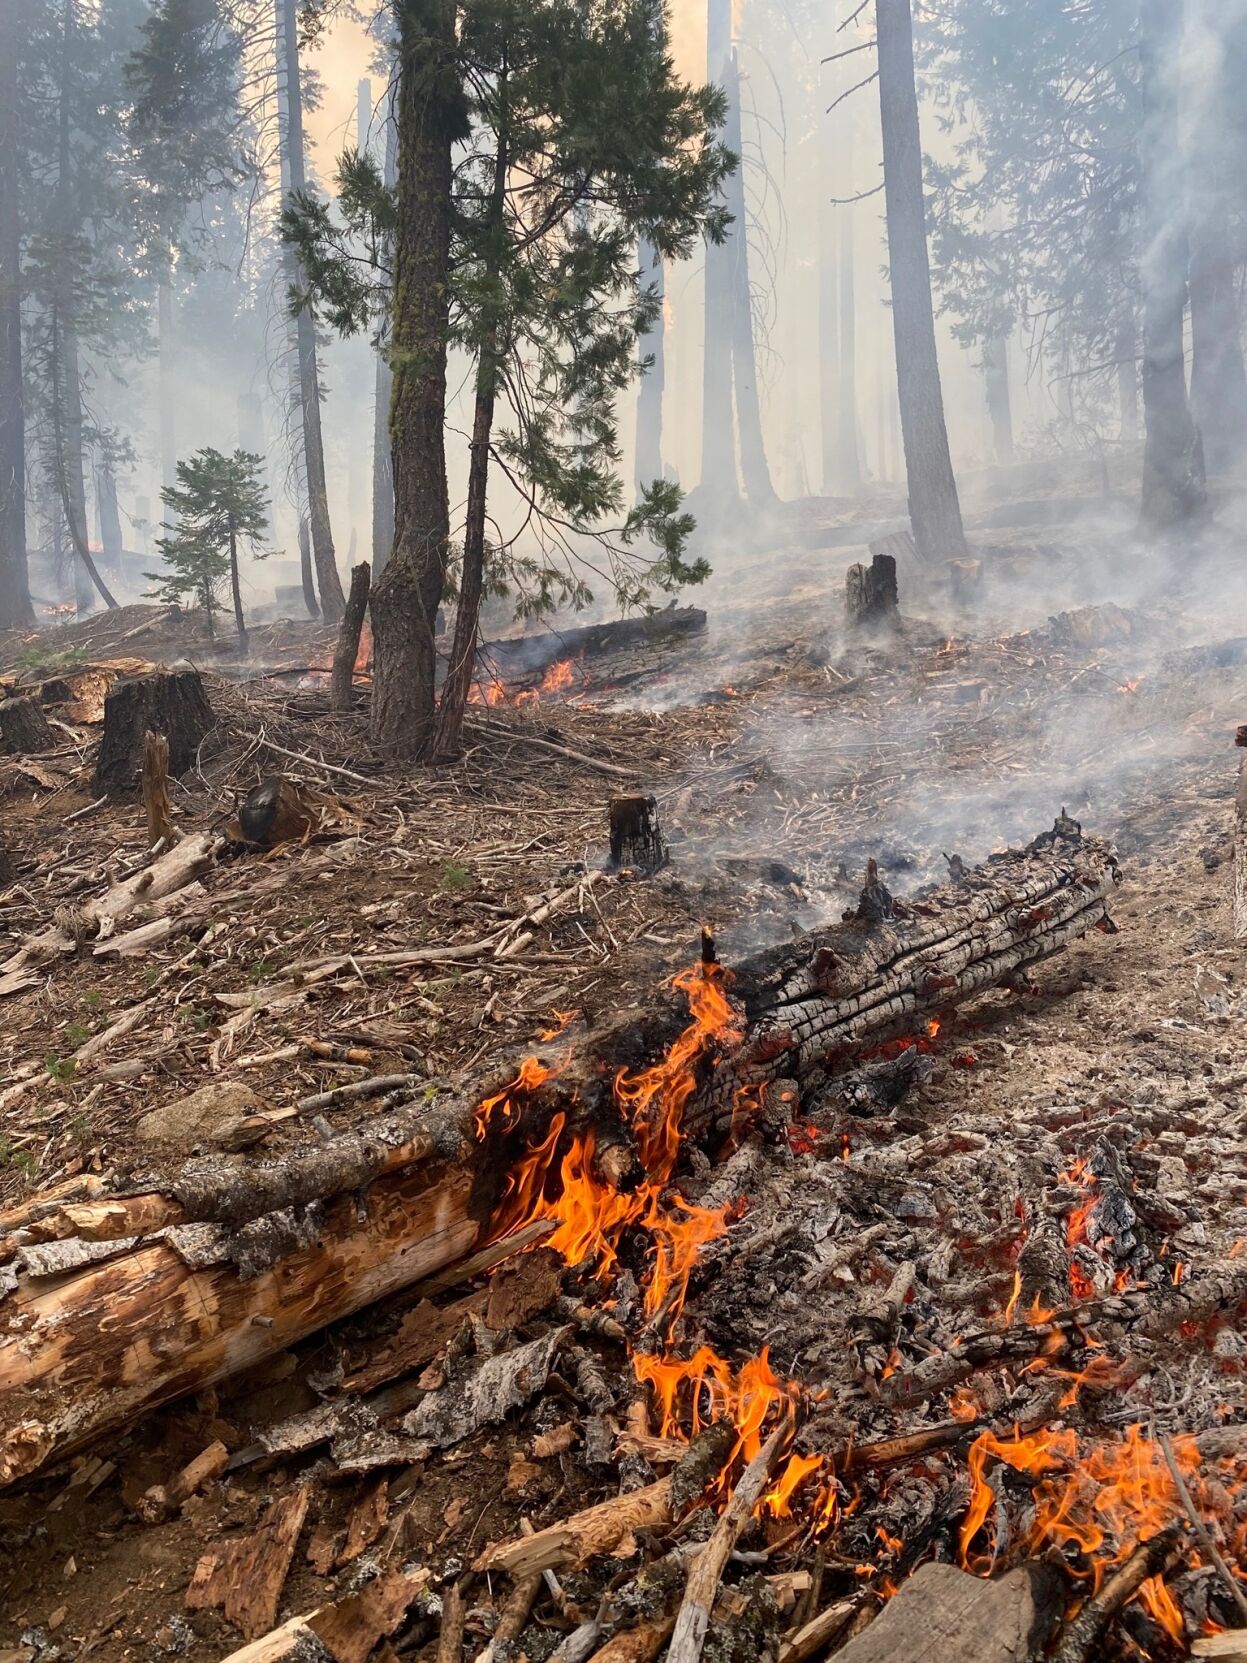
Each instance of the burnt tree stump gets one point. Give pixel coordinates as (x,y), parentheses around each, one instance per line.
(170,702)
(24,729)
(635,836)
(870,593)
(342,683)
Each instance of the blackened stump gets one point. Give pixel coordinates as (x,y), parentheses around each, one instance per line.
(635,836)
(870,593)
(172,702)
(24,729)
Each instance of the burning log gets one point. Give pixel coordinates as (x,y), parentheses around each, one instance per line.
(1149,1559)
(811,1002)
(870,593)
(24,729)
(531,653)
(172,702)
(342,684)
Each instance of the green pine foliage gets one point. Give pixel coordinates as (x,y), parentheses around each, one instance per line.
(218,504)
(600,144)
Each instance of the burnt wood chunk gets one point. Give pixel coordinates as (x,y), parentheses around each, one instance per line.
(342,684)
(635,836)
(870,593)
(24,729)
(171,702)
(943,1615)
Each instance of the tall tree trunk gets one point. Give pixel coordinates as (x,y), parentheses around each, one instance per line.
(382,465)
(1126,352)
(236,589)
(934,510)
(109,514)
(848,449)
(15,607)
(332,600)
(829,337)
(1218,378)
(1173,463)
(458,681)
(405,600)
(650,386)
(753,463)
(718,444)
(999,405)
(306,575)
(166,377)
(66,372)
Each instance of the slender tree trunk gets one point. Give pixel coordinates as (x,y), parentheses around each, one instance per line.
(999,405)
(1126,352)
(109,514)
(332,600)
(405,600)
(934,510)
(1218,379)
(652,381)
(828,337)
(306,574)
(718,445)
(458,681)
(753,463)
(382,466)
(848,448)
(15,607)
(1173,463)
(66,374)
(236,589)
(166,377)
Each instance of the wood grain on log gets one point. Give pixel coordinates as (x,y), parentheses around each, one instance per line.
(943,1615)
(156,804)
(86,1354)
(245,1577)
(590,1534)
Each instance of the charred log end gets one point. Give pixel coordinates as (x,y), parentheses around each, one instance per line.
(24,729)
(1240,735)
(171,702)
(636,838)
(870,595)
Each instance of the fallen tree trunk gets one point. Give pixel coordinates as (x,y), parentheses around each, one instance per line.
(105,1320)
(86,1353)
(530,653)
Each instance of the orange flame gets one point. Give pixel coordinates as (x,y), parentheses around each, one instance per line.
(506,1104)
(1100,1499)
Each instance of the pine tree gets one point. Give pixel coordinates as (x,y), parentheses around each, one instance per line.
(576,140)
(219,503)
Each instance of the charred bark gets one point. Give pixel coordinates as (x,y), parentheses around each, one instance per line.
(406,598)
(24,729)
(1173,464)
(172,702)
(934,509)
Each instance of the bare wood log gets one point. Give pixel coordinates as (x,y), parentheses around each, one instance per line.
(943,1615)
(641,1644)
(454,1616)
(24,729)
(588,1535)
(156,804)
(246,1577)
(1081,1638)
(693,1618)
(1230,1647)
(85,1355)
(172,702)
(342,681)
(293,1642)
(141,894)
(816,1635)
(350,1628)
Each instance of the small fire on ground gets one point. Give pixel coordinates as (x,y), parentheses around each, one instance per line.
(1095,1501)
(560,677)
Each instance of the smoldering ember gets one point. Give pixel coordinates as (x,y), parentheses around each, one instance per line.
(623,831)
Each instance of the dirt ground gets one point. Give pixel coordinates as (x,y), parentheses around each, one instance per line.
(782,756)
